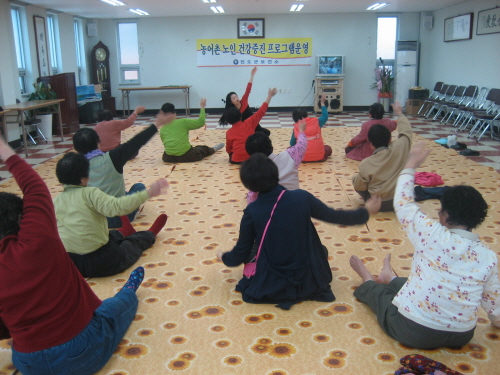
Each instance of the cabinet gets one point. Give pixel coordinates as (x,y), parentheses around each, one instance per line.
(64,85)
(333,88)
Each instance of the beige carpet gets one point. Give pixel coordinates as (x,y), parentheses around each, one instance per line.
(191,321)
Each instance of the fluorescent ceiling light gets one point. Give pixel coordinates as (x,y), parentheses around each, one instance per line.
(217,9)
(292,9)
(378,6)
(209,1)
(140,12)
(296,8)
(113,2)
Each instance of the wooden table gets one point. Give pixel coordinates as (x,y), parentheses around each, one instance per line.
(126,95)
(4,123)
(35,104)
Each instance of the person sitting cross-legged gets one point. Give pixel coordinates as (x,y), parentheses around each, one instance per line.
(106,168)
(175,136)
(57,323)
(452,272)
(378,173)
(81,213)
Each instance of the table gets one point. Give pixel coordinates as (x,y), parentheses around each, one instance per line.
(126,94)
(4,123)
(31,105)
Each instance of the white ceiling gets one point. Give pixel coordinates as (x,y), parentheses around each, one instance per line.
(169,8)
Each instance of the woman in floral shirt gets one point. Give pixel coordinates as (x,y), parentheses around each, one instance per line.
(452,272)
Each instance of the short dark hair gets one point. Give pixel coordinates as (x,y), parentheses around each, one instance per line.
(259,173)
(105,115)
(464,206)
(379,136)
(377,111)
(86,140)
(11,210)
(72,168)
(232,115)
(259,142)
(168,108)
(299,114)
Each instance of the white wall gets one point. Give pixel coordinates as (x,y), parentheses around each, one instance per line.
(465,62)
(168,46)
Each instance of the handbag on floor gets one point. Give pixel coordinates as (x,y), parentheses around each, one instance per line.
(250,268)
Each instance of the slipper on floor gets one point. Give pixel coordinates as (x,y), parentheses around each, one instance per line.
(459,146)
(469,152)
(442,141)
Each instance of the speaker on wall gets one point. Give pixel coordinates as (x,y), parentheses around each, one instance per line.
(428,22)
(92,29)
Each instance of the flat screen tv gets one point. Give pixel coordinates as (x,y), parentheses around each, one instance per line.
(330,65)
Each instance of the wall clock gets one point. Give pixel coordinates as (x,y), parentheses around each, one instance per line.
(100,68)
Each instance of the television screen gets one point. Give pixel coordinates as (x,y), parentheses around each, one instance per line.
(330,65)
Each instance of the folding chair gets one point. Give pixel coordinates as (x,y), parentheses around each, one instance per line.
(434,95)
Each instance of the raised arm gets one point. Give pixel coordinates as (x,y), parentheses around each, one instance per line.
(254,120)
(124,124)
(38,219)
(252,73)
(297,151)
(324,112)
(192,124)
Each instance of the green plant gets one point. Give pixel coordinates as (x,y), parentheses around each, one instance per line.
(384,80)
(43,92)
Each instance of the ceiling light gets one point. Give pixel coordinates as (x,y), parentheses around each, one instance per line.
(113,2)
(378,6)
(296,8)
(217,9)
(140,12)
(209,1)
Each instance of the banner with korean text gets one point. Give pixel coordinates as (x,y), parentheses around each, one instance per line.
(238,52)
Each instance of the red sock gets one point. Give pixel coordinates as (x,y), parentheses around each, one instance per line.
(158,224)
(127,229)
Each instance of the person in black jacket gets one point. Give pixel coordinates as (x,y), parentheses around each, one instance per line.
(293,263)
(106,168)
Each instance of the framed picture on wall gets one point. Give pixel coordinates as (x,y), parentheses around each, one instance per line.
(458,28)
(42,50)
(488,21)
(251,28)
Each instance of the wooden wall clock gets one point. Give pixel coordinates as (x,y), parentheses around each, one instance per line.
(100,68)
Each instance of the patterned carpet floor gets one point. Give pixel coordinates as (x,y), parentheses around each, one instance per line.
(190,319)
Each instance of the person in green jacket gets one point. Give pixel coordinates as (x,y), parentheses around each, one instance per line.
(81,213)
(175,137)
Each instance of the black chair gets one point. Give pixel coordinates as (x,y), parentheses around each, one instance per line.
(30,121)
(447,97)
(434,95)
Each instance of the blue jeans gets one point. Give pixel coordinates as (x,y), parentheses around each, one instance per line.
(116,222)
(88,352)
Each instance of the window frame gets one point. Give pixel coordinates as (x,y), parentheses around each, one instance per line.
(20,33)
(54,42)
(128,67)
(80,51)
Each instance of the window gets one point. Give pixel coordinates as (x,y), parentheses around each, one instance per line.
(386,38)
(129,52)
(20,49)
(80,55)
(53,41)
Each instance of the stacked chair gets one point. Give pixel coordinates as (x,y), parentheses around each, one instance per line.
(483,120)
(445,97)
(458,97)
(486,106)
(467,99)
(466,110)
(434,95)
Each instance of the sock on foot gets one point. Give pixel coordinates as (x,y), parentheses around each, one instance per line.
(218,146)
(126,229)
(135,279)
(158,224)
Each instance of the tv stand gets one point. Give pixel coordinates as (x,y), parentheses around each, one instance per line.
(333,87)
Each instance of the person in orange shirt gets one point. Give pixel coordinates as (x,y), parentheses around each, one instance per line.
(316,148)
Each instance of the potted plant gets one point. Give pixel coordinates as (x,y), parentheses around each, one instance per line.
(43,92)
(384,82)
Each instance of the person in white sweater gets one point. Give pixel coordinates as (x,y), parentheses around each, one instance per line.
(452,272)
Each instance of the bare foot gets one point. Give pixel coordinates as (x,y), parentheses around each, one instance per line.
(386,275)
(358,267)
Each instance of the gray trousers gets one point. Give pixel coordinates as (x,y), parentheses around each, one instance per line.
(379,297)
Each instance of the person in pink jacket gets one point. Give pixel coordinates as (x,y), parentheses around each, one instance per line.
(359,148)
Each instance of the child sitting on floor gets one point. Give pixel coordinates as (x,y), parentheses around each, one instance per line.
(316,148)
(242,129)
